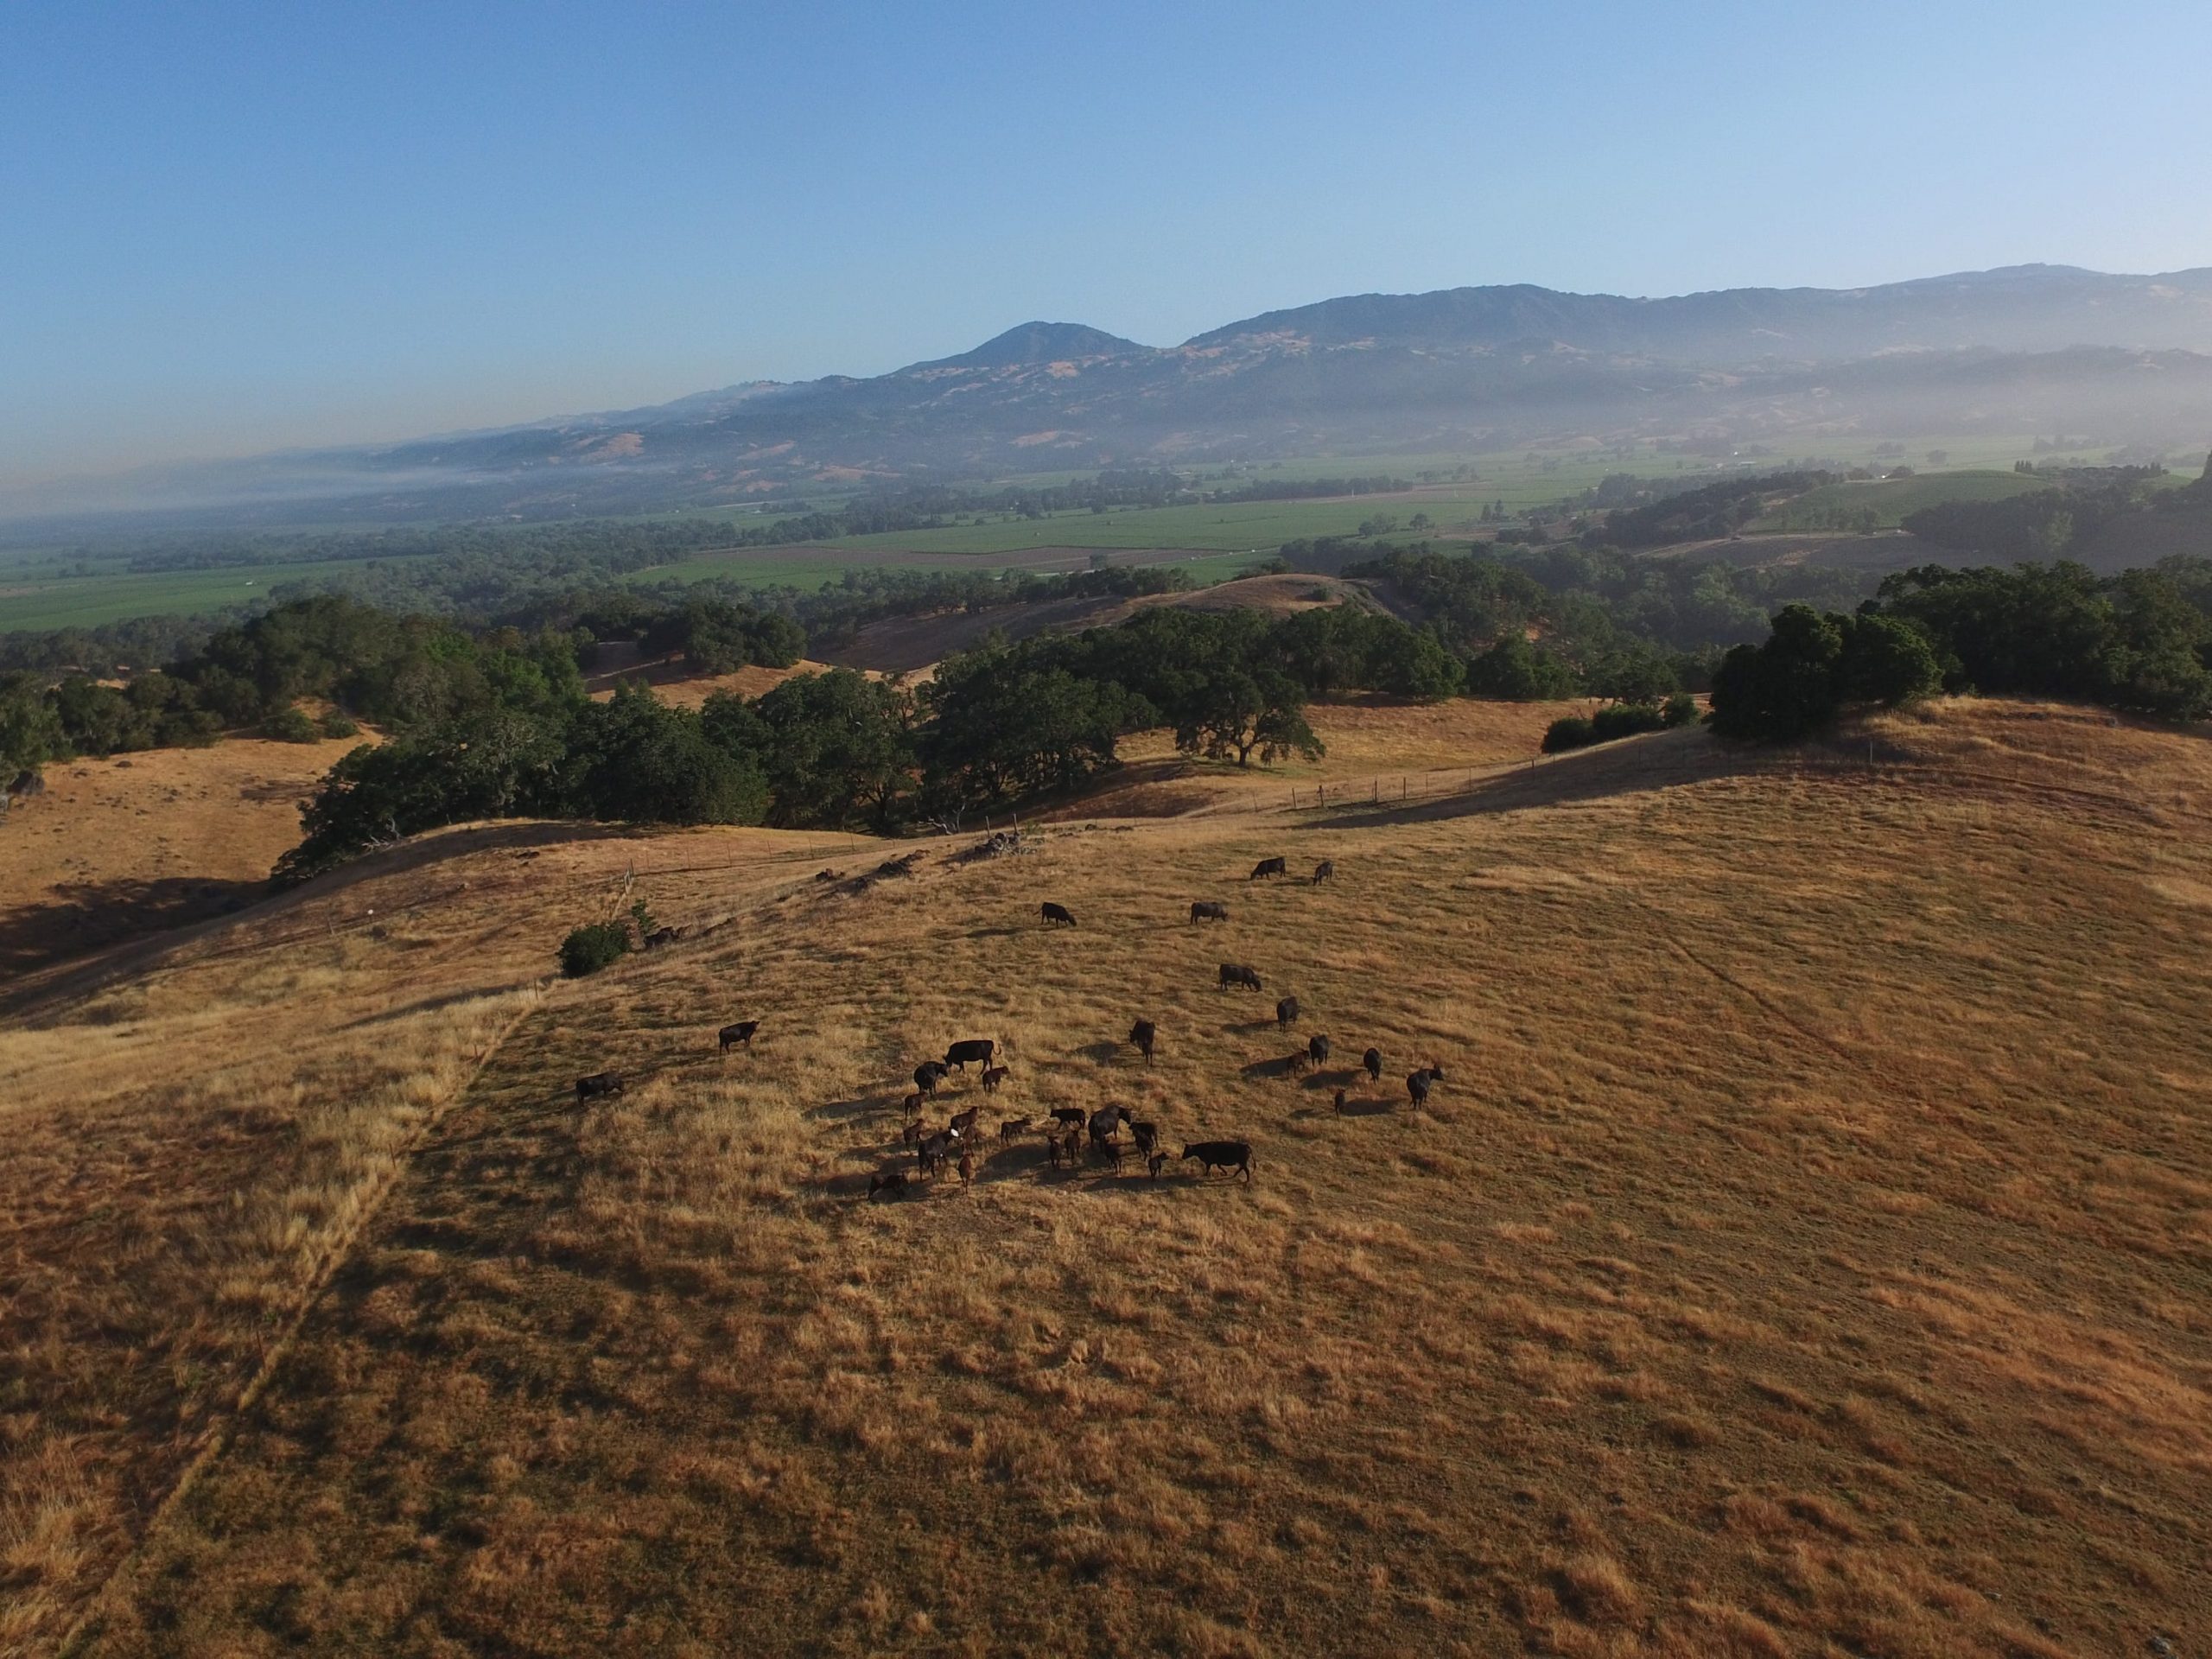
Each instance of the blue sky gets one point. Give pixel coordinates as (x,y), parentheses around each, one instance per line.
(232,227)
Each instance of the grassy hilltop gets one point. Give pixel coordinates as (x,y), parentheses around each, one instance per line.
(1807,1252)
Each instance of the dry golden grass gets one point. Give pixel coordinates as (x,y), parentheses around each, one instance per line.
(1807,1253)
(117,848)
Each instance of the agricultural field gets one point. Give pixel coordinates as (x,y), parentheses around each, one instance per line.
(1890,500)
(80,592)
(1807,1251)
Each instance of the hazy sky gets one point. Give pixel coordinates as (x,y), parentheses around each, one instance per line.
(232,227)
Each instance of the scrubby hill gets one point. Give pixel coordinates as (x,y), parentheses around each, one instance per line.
(1807,1249)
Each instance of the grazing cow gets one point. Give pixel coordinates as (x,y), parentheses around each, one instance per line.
(1266,867)
(661,935)
(1317,1050)
(1417,1087)
(1435,1072)
(1144,1034)
(1373,1061)
(1324,871)
(933,1151)
(1239,974)
(1153,1163)
(1106,1124)
(1206,911)
(1056,915)
(1221,1154)
(963,1124)
(1146,1135)
(1287,1014)
(599,1082)
(978,1049)
(967,1168)
(1340,1101)
(893,1181)
(927,1075)
(1068,1117)
(993,1075)
(1010,1130)
(739,1035)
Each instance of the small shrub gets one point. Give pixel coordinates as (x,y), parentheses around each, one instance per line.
(1625,719)
(338,723)
(1681,709)
(644,918)
(593,947)
(290,724)
(1572,733)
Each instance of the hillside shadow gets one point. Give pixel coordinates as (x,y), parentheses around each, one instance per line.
(83,917)
(1663,761)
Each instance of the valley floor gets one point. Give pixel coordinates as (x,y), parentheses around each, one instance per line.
(1808,1251)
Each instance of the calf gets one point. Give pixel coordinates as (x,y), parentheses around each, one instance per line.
(1056,915)
(1317,1050)
(1239,974)
(1071,1147)
(967,1168)
(1287,1014)
(1206,911)
(979,1049)
(1340,1102)
(1221,1154)
(913,1132)
(1324,871)
(913,1105)
(893,1181)
(1112,1151)
(1144,1034)
(1373,1061)
(599,1082)
(1146,1135)
(927,1075)
(739,1035)
(963,1125)
(993,1075)
(1153,1163)
(1012,1129)
(1266,867)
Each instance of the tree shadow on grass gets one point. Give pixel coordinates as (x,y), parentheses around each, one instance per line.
(83,917)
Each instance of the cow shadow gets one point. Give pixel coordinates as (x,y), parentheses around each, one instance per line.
(1343,1079)
(1101,1054)
(843,1111)
(1249,1026)
(1367,1109)
(1268,1070)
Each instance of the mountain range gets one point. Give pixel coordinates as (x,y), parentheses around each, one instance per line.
(2126,359)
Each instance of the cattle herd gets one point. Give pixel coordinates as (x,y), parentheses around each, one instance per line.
(1070,1130)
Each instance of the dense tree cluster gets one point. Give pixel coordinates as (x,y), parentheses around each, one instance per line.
(1707,512)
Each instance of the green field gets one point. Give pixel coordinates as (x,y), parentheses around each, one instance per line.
(1890,500)
(47,587)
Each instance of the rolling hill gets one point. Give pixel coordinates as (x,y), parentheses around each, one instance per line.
(1807,1249)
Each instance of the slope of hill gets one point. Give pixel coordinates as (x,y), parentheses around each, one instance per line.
(1807,1251)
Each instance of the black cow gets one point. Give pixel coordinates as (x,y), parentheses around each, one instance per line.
(1373,1061)
(979,1049)
(1287,1014)
(1266,867)
(1324,871)
(1056,915)
(1204,909)
(1221,1154)
(1144,1034)
(1068,1117)
(1106,1124)
(932,1151)
(928,1075)
(1417,1085)
(599,1082)
(1317,1050)
(739,1035)
(1236,973)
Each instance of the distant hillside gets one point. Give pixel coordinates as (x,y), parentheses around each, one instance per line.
(2033,349)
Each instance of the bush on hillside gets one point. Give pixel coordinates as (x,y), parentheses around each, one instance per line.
(1609,724)
(1678,709)
(290,724)
(591,948)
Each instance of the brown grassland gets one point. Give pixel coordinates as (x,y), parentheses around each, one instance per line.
(1808,1251)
